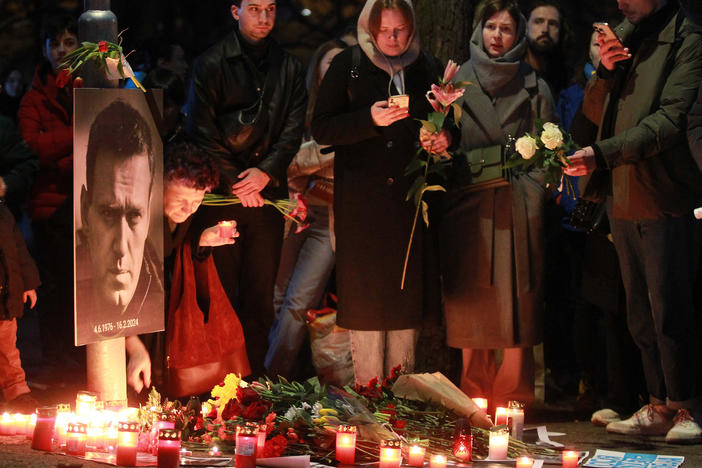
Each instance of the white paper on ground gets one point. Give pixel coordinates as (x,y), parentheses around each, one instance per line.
(297,461)
(543,435)
(612,459)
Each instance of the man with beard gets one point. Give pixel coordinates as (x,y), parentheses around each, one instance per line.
(548,37)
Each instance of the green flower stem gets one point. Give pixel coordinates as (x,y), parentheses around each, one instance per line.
(414,222)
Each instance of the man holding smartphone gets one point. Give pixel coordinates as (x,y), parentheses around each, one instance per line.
(644,88)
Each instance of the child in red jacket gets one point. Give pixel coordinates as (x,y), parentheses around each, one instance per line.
(19,278)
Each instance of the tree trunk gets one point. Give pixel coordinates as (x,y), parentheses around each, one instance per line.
(445,27)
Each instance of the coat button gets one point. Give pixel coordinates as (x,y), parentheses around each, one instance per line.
(389,181)
(389,144)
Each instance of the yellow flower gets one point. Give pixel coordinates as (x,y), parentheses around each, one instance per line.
(226,392)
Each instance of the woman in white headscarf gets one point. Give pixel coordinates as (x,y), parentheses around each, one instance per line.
(374,142)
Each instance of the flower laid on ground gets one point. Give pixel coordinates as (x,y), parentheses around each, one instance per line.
(107,55)
(294,209)
(547,150)
(427,163)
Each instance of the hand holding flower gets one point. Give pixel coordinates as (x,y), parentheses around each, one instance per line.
(435,143)
(582,162)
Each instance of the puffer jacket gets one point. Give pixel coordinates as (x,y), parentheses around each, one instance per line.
(694,132)
(47,126)
(18,273)
(223,84)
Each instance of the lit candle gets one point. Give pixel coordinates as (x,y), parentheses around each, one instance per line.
(127,442)
(481,403)
(245,450)
(96,438)
(570,459)
(346,444)
(7,425)
(63,417)
(75,438)
(111,436)
(161,420)
(85,404)
(31,422)
(416,455)
(516,413)
(499,440)
(168,449)
(463,440)
(390,453)
(437,461)
(501,416)
(20,423)
(129,414)
(43,435)
(260,440)
(525,462)
(226,229)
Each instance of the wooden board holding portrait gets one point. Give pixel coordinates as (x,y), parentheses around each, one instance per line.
(118,214)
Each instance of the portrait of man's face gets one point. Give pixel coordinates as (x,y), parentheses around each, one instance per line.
(116,221)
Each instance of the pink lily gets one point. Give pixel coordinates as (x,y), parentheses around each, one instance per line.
(435,104)
(451,70)
(446,94)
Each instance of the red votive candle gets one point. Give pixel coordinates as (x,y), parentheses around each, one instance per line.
(463,440)
(570,459)
(31,422)
(127,442)
(390,453)
(226,229)
(75,438)
(501,416)
(525,462)
(260,440)
(7,424)
(416,455)
(245,451)
(161,420)
(168,448)
(43,435)
(346,445)
(437,461)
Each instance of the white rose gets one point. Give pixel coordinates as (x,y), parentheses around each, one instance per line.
(551,136)
(526,146)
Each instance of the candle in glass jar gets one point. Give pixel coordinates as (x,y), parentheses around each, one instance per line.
(161,420)
(570,459)
(525,462)
(416,455)
(346,444)
(31,422)
(390,453)
(516,414)
(168,455)
(127,442)
(20,423)
(86,403)
(226,229)
(7,424)
(463,440)
(43,435)
(260,440)
(481,403)
(63,417)
(499,441)
(437,461)
(501,416)
(75,438)
(245,450)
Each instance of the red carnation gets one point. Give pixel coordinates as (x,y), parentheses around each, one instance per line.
(246,395)
(255,411)
(63,78)
(399,424)
(232,410)
(102,46)
(275,447)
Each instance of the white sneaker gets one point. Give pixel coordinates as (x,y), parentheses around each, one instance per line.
(685,430)
(649,420)
(605,416)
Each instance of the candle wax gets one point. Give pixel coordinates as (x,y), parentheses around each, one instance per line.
(390,458)
(498,446)
(570,459)
(345,448)
(126,456)
(416,456)
(437,461)
(168,454)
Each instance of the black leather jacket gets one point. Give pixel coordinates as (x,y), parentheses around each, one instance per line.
(223,101)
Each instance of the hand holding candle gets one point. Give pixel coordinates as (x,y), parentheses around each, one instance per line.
(224,233)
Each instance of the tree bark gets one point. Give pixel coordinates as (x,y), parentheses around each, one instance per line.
(445,27)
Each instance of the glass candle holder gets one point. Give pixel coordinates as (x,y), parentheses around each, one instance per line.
(463,440)
(516,414)
(86,403)
(168,455)
(570,459)
(437,461)
(390,453)
(127,443)
(525,462)
(499,441)
(245,451)
(7,424)
(31,423)
(43,436)
(63,417)
(226,229)
(346,445)
(20,423)
(75,438)
(416,455)
(501,416)
(161,420)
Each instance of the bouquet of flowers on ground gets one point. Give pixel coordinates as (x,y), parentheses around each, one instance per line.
(545,150)
(294,209)
(428,163)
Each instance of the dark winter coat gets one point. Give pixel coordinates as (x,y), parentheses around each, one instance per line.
(46,123)
(18,273)
(372,219)
(694,132)
(225,82)
(18,165)
(491,240)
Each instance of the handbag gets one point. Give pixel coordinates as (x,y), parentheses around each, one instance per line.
(486,167)
(201,348)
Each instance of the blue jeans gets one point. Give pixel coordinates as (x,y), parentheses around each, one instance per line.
(305,265)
